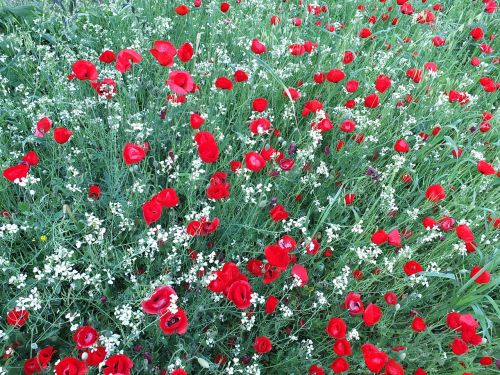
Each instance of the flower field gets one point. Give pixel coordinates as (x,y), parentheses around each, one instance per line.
(249,187)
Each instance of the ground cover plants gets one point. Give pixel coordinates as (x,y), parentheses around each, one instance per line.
(249,187)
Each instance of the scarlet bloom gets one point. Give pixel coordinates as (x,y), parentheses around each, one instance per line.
(372,101)
(85,337)
(435,193)
(133,153)
(391,298)
(394,368)
(43,126)
(262,345)
(382,83)
(224,83)
(17,172)
(271,304)
(464,233)
(412,267)
(401,146)
(125,59)
(180,82)
(151,211)
(107,56)
(300,272)
(254,161)
(414,74)
(95,356)
(354,304)
(336,328)
(84,70)
(277,256)
(105,88)
(239,293)
(62,135)
(342,347)
(316,370)
(339,365)
(17,317)
(196,120)
(418,324)
(159,300)
(258,47)
(185,52)
(375,359)
(365,33)
(174,322)
(163,52)
(240,76)
(167,198)
(182,10)
(335,75)
(202,227)
(71,365)
(207,146)
(372,314)
(379,237)
(118,364)
(278,213)
(485,168)
(458,346)
(484,276)
(259,104)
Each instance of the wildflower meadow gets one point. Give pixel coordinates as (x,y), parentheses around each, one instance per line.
(249,187)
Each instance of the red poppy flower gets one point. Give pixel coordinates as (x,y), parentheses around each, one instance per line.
(207,147)
(85,336)
(336,328)
(412,267)
(262,345)
(151,211)
(62,135)
(180,82)
(17,172)
(196,121)
(418,324)
(485,168)
(464,233)
(240,76)
(240,293)
(342,347)
(484,276)
(71,365)
(258,47)
(300,272)
(278,213)
(277,256)
(17,317)
(458,346)
(372,314)
(107,56)
(84,70)
(315,370)
(174,322)
(159,300)
(133,153)
(271,304)
(335,75)
(254,161)
(354,304)
(339,365)
(182,10)
(224,83)
(118,364)
(43,126)
(105,88)
(375,359)
(435,193)
(415,74)
(164,52)
(202,227)
(167,198)
(401,146)
(185,52)
(391,298)
(125,59)
(382,83)
(94,356)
